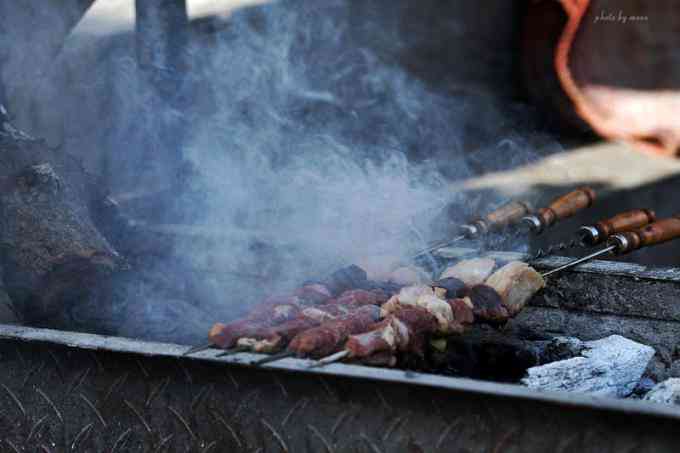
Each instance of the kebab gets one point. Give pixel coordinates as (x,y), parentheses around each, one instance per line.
(623,243)
(412,315)
(329,336)
(272,338)
(272,311)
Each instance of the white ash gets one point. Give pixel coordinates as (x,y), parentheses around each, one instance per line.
(611,366)
(666,392)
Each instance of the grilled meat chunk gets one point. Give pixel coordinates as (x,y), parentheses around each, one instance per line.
(516,283)
(330,336)
(454,287)
(471,272)
(442,311)
(487,305)
(313,294)
(265,315)
(409,295)
(463,312)
(275,307)
(361,297)
(405,330)
(381,359)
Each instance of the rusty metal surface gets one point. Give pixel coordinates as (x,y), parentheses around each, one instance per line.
(62,392)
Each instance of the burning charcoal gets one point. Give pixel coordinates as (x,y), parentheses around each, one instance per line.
(488,305)
(610,367)
(454,287)
(516,282)
(666,392)
(349,277)
(471,272)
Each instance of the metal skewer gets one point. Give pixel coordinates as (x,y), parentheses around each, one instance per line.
(578,261)
(338,356)
(508,214)
(622,243)
(273,358)
(199,348)
(438,246)
(232,351)
(600,232)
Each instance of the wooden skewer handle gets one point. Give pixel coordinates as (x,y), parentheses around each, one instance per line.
(498,219)
(566,206)
(620,223)
(655,233)
(506,215)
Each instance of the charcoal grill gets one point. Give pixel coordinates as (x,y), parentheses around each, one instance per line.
(66,391)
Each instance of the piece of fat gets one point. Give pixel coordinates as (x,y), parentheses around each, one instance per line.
(471,272)
(264,346)
(409,295)
(516,283)
(440,309)
(317,315)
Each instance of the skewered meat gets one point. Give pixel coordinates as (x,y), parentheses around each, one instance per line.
(313,293)
(360,297)
(463,311)
(386,335)
(454,287)
(441,310)
(381,359)
(275,307)
(409,295)
(225,335)
(405,330)
(273,339)
(330,336)
(487,305)
(323,313)
(266,314)
(267,338)
(516,283)
(471,272)
(432,300)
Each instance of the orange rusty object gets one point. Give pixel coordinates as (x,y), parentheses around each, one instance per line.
(617,62)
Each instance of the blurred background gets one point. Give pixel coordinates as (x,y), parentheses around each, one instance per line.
(320,132)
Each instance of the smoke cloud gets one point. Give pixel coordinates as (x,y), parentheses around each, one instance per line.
(306,146)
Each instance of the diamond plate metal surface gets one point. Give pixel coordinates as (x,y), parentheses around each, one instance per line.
(60,399)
